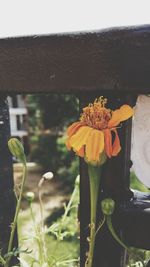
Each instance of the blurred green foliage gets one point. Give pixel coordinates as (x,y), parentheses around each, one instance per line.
(49,116)
(136,184)
(52,110)
(139,253)
(66,227)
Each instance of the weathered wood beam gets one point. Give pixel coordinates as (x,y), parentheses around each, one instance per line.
(116,59)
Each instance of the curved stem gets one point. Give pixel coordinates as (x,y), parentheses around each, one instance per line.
(115,236)
(94,176)
(112,230)
(16,214)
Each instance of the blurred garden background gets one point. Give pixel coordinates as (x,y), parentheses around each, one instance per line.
(40,122)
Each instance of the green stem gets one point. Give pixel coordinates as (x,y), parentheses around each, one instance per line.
(42,225)
(67,209)
(40,247)
(16,214)
(94,176)
(2,261)
(69,204)
(115,236)
(32,217)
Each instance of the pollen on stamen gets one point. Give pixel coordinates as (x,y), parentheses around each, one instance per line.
(101,101)
(96,115)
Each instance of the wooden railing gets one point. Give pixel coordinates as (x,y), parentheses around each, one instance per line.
(114,63)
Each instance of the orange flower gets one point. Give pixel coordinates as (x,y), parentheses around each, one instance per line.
(91,137)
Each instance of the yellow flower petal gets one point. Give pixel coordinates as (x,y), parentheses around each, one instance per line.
(81,152)
(108,142)
(94,145)
(116,145)
(119,115)
(111,149)
(80,137)
(72,129)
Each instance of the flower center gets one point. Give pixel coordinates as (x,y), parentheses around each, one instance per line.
(96,115)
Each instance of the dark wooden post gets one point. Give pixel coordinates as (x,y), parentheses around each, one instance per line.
(115,184)
(7,198)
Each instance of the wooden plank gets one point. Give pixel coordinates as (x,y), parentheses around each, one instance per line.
(115,183)
(116,59)
(7,198)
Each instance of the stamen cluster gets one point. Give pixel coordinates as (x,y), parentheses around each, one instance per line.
(96,115)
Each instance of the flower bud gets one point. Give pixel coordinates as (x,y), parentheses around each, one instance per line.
(108,206)
(16,148)
(48,175)
(30,196)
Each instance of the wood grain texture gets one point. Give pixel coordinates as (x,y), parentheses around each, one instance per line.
(7,197)
(116,59)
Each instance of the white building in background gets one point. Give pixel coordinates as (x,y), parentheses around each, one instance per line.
(18,117)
